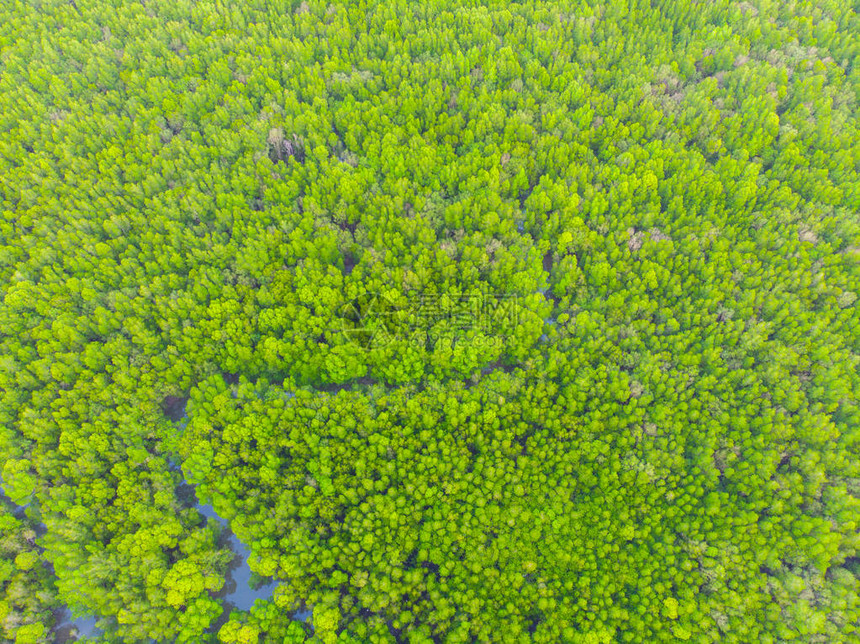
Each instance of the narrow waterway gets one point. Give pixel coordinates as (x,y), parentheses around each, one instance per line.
(71,629)
(238,592)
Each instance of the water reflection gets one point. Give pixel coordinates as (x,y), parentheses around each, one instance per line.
(71,629)
(238,591)
(550,322)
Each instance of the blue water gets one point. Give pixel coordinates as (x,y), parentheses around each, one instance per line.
(237,591)
(70,629)
(550,322)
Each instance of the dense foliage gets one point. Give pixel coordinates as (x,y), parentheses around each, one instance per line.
(496,321)
(28,598)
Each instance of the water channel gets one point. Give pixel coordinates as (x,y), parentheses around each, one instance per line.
(237,593)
